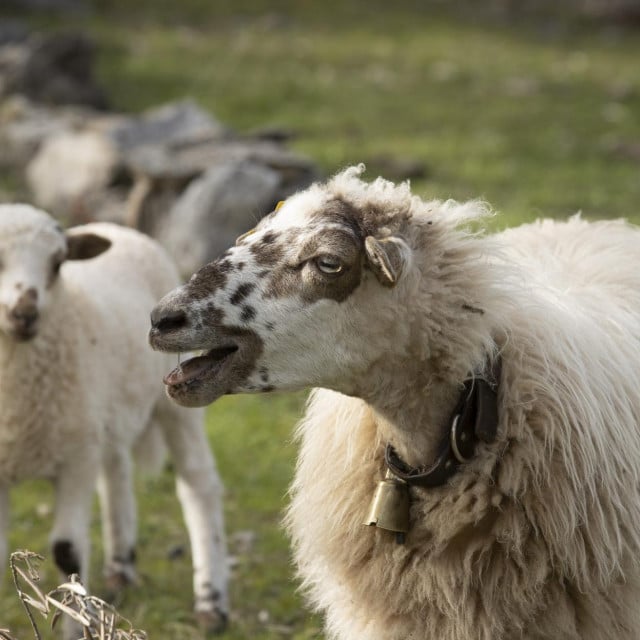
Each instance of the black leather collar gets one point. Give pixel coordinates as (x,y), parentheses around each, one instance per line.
(474,419)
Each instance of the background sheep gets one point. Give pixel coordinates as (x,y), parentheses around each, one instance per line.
(79,389)
(372,293)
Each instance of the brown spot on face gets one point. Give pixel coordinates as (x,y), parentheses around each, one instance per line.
(212,317)
(248,313)
(340,212)
(363,222)
(240,265)
(207,280)
(333,288)
(241,292)
(270,253)
(285,281)
(304,279)
(225,266)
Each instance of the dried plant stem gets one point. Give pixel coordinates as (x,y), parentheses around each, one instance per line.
(98,619)
(26,557)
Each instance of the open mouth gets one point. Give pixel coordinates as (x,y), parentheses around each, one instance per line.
(208,365)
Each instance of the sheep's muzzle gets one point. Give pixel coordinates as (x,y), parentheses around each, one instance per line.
(23,316)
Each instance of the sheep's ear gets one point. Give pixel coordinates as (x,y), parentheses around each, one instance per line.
(82,246)
(386,259)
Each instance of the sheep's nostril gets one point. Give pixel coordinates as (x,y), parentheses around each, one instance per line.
(23,316)
(24,322)
(162,320)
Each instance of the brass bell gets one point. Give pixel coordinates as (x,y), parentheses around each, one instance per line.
(390,506)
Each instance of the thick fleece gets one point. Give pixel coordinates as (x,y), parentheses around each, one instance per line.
(388,303)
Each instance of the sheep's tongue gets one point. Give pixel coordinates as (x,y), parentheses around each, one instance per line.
(194,367)
(190,369)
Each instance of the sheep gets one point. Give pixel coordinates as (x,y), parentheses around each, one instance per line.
(79,391)
(417,328)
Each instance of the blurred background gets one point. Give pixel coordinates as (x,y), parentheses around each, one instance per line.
(191,119)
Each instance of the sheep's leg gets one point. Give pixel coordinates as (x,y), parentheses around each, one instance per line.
(74,488)
(70,535)
(119,520)
(4,525)
(199,490)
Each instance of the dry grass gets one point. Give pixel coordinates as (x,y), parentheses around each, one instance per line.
(96,619)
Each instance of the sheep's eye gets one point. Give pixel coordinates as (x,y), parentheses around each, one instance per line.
(329,265)
(56,264)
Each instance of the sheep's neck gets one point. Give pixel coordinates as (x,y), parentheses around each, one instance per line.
(415,426)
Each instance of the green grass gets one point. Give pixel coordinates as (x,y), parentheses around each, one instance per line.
(523,113)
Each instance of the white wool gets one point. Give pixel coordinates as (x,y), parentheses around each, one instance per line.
(77,398)
(539,535)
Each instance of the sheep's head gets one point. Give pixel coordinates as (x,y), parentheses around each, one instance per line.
(33,247)
(307,298)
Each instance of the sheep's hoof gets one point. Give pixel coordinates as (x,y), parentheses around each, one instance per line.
(118,581)
(212,621)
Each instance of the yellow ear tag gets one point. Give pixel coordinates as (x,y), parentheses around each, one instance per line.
(279,205)
(239,239)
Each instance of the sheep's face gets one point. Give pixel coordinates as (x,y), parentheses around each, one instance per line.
(299,301)
(32,249)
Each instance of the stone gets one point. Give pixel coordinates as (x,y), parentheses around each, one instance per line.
(12,32)
(59,70)
(188,161)
(215,209)
(170,126)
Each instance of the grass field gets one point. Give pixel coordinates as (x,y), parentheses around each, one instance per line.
(538,115)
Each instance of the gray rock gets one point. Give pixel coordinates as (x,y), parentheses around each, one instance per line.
(215,209)
(59,70)
(168,126)
(187,161)
(12,32)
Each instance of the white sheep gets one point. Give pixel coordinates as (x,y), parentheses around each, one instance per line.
(79,390)
(522,485)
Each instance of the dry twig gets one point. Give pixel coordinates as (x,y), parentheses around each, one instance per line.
(97,619)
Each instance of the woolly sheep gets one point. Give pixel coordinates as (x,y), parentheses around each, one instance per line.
(79,389)
(401,314)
